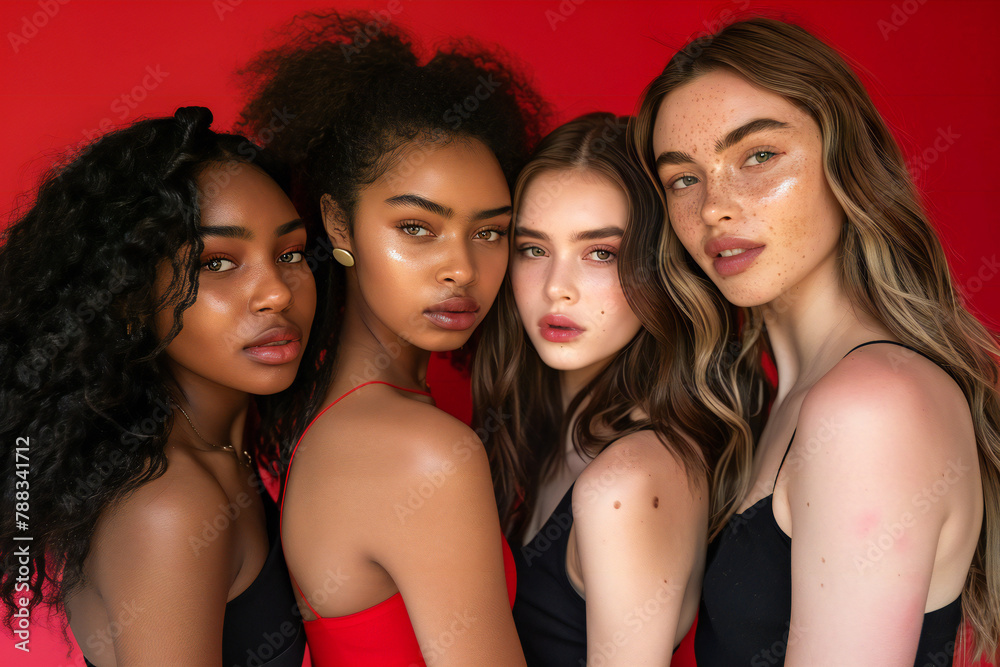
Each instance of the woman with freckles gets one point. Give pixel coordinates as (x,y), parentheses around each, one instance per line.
(389,521)
(150,527)
(603,471)
(867,526)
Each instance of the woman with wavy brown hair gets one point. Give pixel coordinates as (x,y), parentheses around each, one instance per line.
(788,196)
(602,450)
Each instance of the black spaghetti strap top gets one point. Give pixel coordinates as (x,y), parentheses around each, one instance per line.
(746,602)
(550,616)
(262,625)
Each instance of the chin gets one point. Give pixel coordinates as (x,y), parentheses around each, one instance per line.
(559,361)
(441,341)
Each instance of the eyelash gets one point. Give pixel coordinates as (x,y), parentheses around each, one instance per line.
(773,152)
(291,251)
(406,224)
(611,251)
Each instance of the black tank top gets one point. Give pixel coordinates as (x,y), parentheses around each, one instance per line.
(262,625)
(551,617)
(746,602)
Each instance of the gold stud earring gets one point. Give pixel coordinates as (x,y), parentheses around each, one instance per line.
(343,257)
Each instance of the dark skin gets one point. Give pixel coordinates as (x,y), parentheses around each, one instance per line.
(419,237)
(157,579)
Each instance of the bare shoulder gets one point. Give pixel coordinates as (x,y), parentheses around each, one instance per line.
(399,433)
(158,520)
(890,396)
(638,469)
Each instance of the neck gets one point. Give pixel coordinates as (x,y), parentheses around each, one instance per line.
(809,326)
(367,350)
(218,413)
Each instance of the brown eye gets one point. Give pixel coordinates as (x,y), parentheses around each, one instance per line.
(219,265)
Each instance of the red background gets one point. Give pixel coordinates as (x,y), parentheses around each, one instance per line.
(70,67)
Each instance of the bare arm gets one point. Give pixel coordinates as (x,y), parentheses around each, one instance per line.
(864,544)
(165,585)
(445,556)
(641,530)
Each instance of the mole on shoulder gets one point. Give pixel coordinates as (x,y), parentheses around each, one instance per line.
(656,501)
(617,504)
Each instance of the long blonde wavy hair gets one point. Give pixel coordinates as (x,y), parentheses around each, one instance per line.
(892,264)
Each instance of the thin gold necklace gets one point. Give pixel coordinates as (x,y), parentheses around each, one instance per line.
(225,448)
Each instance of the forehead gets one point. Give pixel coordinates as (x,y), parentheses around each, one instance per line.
(235,191)
(570,199)
(458,172)
(695,115)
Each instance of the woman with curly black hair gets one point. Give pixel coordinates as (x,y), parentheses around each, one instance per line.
(154,286)
(389,504)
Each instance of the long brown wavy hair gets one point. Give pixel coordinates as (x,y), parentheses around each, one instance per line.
(891,261)
(517,398)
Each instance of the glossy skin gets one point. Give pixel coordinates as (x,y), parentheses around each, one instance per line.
(626,549)
(366,460)
(170,610)
(874,430)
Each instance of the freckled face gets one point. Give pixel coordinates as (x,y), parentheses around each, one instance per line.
(256,296)
(430,245)
(564,272)
(745,187)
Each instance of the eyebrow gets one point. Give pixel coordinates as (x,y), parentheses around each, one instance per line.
(401,201)
(731,139)
(243,234)
(588,235)
(745,130)
(491,213)
(442,210)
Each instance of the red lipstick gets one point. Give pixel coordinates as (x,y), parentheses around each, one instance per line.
(557,328)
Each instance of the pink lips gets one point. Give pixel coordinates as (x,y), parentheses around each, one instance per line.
(730,266)
(455,314)
(557,328)
(276,346)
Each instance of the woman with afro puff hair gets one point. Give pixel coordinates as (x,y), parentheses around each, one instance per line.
(154,295)
(389,521)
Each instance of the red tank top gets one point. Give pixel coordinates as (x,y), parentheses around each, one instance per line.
(380,636)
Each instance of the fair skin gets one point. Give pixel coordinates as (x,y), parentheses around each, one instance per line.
(157,584)
(419,237)
(875,431)
(638,535)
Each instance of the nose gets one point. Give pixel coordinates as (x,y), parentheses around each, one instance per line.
(272,292)
(560,282)
(458,267)
(719,203)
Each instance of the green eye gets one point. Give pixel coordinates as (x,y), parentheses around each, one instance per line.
(683,182)
(760,157)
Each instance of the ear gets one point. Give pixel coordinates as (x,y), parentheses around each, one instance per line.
(335,223)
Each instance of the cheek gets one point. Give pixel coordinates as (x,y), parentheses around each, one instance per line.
(525,278)
(682,214)
(492,265)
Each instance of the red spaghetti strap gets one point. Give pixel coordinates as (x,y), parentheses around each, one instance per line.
(281,509)
(303,595)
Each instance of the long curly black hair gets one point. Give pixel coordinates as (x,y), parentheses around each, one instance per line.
(346,91)
(84,402)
